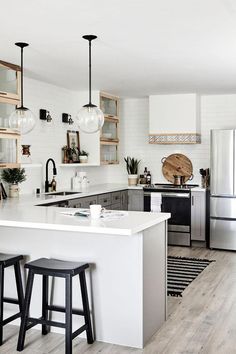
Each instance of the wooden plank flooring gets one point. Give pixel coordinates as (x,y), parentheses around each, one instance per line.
(202,321)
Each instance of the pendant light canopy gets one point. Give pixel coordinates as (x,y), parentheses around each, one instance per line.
(22,118)
(90,118)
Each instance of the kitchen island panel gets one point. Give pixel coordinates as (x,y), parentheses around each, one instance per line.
(124,282)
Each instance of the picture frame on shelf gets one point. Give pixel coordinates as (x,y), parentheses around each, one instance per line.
(73,139)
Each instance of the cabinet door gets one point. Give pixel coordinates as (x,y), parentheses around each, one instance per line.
(9,148)
(82,202)
(9,80)
(135,200)
(124,200)
(104,199)
(198,216)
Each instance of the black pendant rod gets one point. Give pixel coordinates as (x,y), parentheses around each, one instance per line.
(89,38)
(90,66)
(22,46)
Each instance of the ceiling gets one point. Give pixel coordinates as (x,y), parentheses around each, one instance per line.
(143,47)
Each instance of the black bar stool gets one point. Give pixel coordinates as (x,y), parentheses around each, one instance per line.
(7,260)
(56,268)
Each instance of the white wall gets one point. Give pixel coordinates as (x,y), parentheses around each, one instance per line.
(217,111)
(46,139)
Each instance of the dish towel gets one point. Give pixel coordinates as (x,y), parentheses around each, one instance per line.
(156,200)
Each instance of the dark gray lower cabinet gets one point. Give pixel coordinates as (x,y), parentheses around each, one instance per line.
(135,198)
(124,200)
(121,200)
(82,202)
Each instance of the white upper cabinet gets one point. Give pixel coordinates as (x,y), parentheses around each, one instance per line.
(174,119)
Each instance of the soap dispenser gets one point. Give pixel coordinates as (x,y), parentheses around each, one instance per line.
(53,184)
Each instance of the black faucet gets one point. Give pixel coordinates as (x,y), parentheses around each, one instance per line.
(47,184)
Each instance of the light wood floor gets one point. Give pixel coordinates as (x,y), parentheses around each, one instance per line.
(202,321)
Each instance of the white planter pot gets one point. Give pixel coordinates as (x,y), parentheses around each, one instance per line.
(13,191)
(83,159)
(132,180)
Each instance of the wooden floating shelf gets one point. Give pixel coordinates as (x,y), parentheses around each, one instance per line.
(110,118)
(10,165)
(109,142)
(115,162)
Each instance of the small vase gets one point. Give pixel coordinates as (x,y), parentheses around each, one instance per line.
(13,191)
(132,180)
(83,159)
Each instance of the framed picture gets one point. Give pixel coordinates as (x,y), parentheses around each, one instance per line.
(73,139)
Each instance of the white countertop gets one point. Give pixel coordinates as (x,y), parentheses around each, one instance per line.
(25,213)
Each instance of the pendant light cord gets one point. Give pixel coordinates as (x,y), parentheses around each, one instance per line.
(90,66)
(22,93)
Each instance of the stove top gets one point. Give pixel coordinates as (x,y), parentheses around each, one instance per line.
(165,186)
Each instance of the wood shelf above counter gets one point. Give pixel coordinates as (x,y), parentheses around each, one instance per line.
(109,146)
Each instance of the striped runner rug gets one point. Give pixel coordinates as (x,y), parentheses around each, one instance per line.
(182,271)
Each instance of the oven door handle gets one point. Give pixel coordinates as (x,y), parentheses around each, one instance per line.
(175,195)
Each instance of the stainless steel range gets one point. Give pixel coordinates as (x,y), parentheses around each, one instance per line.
(177,201)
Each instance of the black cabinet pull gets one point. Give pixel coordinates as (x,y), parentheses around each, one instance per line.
(105,201)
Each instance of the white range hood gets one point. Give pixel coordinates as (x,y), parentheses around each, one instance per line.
(174,119)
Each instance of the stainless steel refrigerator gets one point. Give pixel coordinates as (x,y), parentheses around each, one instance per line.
(223,189)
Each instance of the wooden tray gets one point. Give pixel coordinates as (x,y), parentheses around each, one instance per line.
(177,164)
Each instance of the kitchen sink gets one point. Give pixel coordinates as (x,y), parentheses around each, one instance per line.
(62,193)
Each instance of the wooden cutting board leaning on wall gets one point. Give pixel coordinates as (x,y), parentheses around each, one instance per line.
(177,164)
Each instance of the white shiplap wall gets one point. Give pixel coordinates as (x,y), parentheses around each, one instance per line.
(46,140)
(217,111)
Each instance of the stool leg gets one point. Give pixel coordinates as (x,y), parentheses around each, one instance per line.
(85,302)
(45,328)
(1,301)
(68,314)
(19,286)
(25,314)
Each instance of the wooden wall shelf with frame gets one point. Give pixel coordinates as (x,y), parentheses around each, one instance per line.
(9,148)
(10,82)
(109,136)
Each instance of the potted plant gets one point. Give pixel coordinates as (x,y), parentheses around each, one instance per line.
(83,156)
(13,176)
(132,169)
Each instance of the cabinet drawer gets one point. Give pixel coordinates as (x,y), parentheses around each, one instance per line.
(115,206)
(115,198)
(104,199)
(82,202)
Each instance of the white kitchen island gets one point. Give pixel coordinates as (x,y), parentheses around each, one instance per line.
(128,258)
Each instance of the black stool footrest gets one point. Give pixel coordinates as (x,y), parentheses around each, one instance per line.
(62,309)
(9,300)
(78,331)
(35,321)
(11,318)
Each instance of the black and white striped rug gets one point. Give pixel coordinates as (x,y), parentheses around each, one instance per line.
(182,271)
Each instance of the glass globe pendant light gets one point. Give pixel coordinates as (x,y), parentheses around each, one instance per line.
(90,118)
(22,118)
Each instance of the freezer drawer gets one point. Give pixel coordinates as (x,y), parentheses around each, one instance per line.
(223,207)
(223,234)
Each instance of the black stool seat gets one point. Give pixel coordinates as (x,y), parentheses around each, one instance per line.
(7,260)
(67,270)
(56,266)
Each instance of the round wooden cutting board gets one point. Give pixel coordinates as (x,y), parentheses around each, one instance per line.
(177,164)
